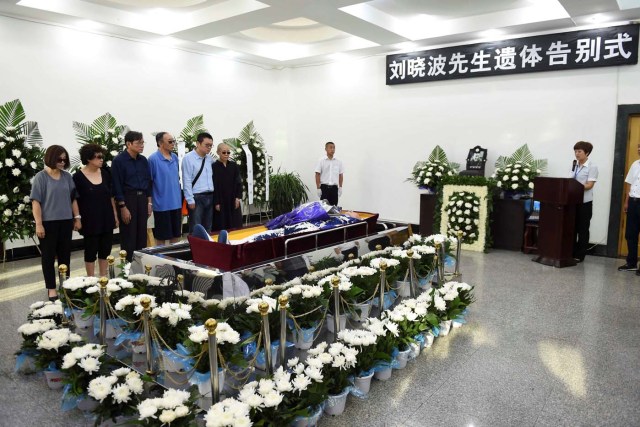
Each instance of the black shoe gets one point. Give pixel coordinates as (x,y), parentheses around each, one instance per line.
(53,299)
(627,267)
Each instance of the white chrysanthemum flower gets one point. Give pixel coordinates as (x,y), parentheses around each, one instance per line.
(90,364)
(9,162)
(33,165)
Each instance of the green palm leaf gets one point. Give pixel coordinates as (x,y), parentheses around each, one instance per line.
(83,132)
(247,131)
(522,154)
(32,133)
(195,125)
(11,114)
(102,124)
(439,155)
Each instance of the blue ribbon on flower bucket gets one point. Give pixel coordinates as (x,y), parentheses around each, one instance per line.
(22,358)
(310,420)
(460,319)
(275,345)
(420,340)
(355,391)
(307,333)
(389,299)
(127,337)
(116,323)
(69,401)
(435,330)
(249,350)
(180,357)
(449,261)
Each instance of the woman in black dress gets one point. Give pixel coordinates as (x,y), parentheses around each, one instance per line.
(227,191)
(97,208)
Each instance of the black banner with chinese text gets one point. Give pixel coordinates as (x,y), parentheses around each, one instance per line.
(601,47)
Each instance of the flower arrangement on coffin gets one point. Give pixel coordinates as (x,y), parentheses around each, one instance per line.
(228,346)
(52,345)
(515,174)
(81,365)
(251,140)
(189,134)
(365,342)
(463,212)
(103,131)
(307,304)
(21,157)
(117,394)
(176,408)
(427,175)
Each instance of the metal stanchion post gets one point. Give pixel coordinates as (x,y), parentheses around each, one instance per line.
(413,292)
(211,325)
(146,307)
(335,283)
(283,300)
(180,279)
(264,312)
(458,250)
(383,284)
(436,276)
(442,258)
(147,270)
(111,260)
(103,309)
(62,275)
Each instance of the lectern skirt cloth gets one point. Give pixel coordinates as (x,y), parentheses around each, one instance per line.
(584,212)
(632,230)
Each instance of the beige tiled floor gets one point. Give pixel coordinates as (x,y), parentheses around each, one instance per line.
(543,347)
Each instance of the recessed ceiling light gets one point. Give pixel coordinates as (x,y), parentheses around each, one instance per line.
(597,18)
(88,25)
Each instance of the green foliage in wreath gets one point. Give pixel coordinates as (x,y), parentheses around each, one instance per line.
(21,157)
(104,131)
(261,161)
(479,181)
(189,134)
(463,211)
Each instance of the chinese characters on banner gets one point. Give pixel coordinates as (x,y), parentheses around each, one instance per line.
(600,47)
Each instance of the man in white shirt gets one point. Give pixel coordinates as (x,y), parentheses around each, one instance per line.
(585,172)
(329,173)
(632,208)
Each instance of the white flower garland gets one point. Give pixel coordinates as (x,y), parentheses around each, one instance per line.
(482,192)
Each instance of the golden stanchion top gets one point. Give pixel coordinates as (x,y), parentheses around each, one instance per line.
(123,254)
(62,268)
(437,245)
(335,281)
(103,282)
(147,269)
(264,308)
(351,256)
(211,325)
(283,300)
(268,282)
(312,269)
(145,302)
(378,247)
(459,233)
(111,259)
(383,265)
(410,253)
(180,278)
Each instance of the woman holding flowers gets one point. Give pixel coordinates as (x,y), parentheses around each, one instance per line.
(97,207)
(56,213)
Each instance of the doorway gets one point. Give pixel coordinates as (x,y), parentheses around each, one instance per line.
(633,140)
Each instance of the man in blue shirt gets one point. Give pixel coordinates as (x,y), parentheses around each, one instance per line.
(132,191)
(197,182)
(166,195)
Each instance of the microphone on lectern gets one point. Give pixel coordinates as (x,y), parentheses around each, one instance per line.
(575,163)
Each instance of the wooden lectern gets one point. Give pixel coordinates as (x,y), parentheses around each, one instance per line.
(558,198)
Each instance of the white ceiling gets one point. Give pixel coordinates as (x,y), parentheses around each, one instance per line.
(290,33)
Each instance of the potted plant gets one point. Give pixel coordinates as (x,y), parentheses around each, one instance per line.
(52,345)
(427,175)
(81,365)
(286,191)
(307,307)
(117,394)
(365,342)
(386,344)
(25,357)
(176,408)
(171,322)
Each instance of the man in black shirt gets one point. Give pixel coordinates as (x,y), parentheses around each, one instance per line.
(132,191)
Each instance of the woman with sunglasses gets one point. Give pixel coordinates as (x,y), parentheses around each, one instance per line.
(227,191)
(97,208)
(55,210)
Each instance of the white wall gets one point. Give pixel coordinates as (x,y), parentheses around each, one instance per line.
(62,75)
(380,131)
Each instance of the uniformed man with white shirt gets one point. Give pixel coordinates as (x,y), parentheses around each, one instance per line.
(632,208)
(329,173)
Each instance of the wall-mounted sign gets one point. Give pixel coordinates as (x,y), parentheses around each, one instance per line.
(601,47)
